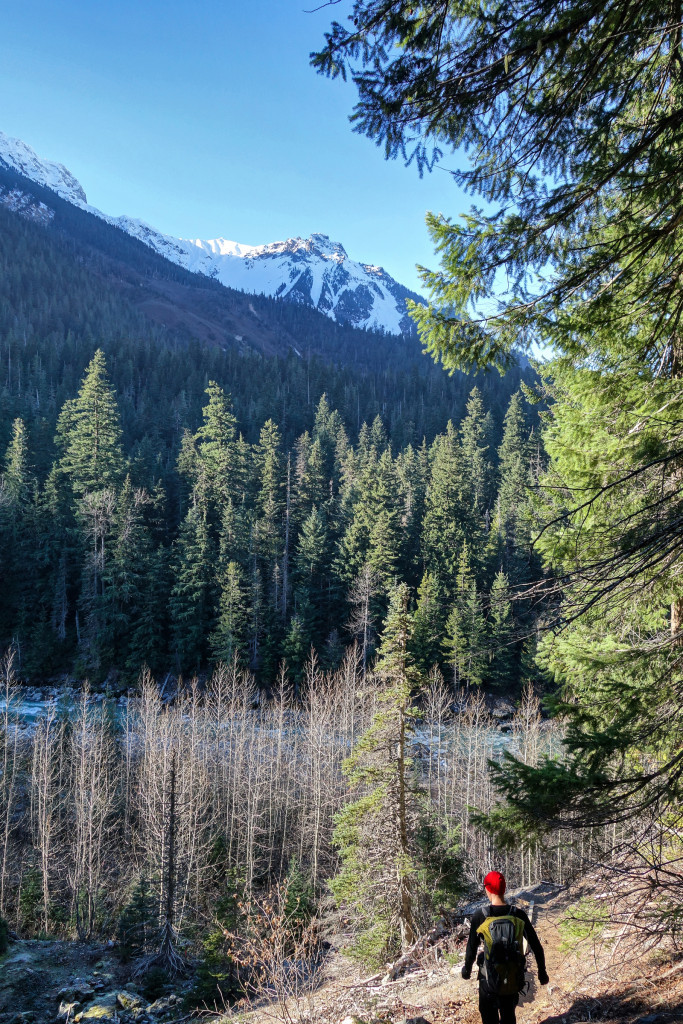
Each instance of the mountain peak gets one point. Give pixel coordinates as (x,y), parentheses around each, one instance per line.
(314,271)
(20,157)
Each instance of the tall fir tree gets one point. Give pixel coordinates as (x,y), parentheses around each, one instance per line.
(373,833)
(464,645)
(229,638)
(192,603)
(501,673)
(446,511)
(428,624)
(89,434)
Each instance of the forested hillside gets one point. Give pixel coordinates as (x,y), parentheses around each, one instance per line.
(175,502)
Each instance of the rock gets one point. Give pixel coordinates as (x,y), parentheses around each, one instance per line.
(130,1000)
(163,1005)
(20,984)
(103,1009)
(79,991)
(502,709)
(417,1020)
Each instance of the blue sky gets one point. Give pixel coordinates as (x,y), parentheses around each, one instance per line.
(204,119)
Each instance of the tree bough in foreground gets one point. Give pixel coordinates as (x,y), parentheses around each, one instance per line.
(567,122)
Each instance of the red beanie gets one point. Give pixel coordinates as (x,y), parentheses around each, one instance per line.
(495,883)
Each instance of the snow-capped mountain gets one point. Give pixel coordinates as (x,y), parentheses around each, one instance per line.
(20,157)
(314,271)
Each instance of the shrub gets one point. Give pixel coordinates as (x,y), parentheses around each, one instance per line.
(585,921)
(31,898)
(217,979)
(138,922)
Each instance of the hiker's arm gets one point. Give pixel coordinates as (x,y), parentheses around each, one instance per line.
(472,943)
(536,948)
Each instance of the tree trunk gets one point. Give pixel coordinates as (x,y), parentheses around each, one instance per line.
(677,620)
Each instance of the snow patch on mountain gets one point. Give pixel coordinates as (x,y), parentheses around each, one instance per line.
(314,271)
(26,205)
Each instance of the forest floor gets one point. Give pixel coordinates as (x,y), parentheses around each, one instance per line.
(592,980)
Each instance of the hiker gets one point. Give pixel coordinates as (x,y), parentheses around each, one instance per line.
(501,964)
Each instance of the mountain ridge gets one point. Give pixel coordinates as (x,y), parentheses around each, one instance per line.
(316,271)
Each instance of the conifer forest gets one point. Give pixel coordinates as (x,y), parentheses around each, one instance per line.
(315,621)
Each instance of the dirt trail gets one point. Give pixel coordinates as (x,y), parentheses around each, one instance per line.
(580,989)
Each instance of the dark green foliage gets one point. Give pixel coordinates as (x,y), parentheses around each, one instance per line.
(428,624)
(502,634)
(571,112)
(216,982)
(299,903)
(31,898)
(567,112)
(398,865)
(154,983)
(264,556)
(138,924)
(442,875)
(4,936)
(217,979)
(465,645)
(572,115)
(89,434)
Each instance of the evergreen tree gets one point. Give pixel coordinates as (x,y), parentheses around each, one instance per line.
(412,471)
(269,501)
(475,433)
(96,520)
(297,644)
(383,521)
(89,434)
(216,448)
(148,641)
(501,670)
(192,594)
(428,624)
(138,924)
(228,640)
(309,562)
(605,213)
(373,833)
(310,483)
(464,643)
(584,227)
(17,539)
(446,513)
(514,475)
(126,575)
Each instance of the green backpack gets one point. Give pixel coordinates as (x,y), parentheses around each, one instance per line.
(504,960)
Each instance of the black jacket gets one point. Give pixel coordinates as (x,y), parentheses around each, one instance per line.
(492,911)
